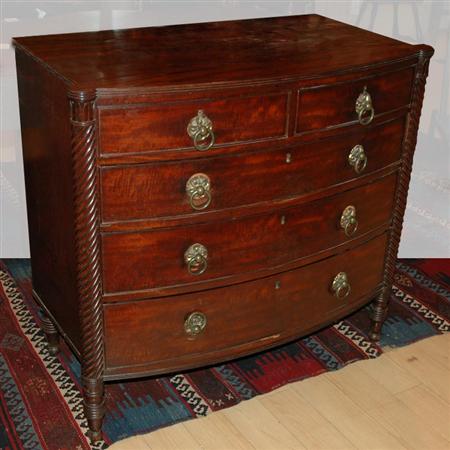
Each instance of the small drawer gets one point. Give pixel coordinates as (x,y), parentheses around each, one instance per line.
(151,260)
(204,327)
(199,125)
(321,107)
(174,189)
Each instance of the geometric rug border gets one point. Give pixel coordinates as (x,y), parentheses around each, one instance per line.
(36,337)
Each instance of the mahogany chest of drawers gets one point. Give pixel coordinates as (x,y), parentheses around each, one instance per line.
(200,192)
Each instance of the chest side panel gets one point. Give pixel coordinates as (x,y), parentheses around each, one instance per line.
(46,142)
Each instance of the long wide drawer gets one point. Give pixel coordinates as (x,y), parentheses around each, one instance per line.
(201,328)
(142,261)
(175,189)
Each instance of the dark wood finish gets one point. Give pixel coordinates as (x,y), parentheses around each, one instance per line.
(382,301)
(163,126)
(196,360)
(305,296)
(51,334)
(333,105)
(142,97)
(293,302)
(48,181)
(243,119)
(87,250)
(152,260)
(159,190)
(216,52)
(107,156)
(197,217)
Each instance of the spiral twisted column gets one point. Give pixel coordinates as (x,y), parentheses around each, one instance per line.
(409,144)
(88,256)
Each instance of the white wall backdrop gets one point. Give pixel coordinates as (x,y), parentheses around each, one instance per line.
(427,224)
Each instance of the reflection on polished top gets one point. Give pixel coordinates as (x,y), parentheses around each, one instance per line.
(233,51)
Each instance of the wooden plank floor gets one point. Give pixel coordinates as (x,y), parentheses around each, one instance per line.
(398,401)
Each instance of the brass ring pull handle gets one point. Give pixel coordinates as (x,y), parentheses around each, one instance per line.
(364,108)
(357,158)
(200,130)
(196,258)
(195,323)
(348,221)
(341,286)
(198,188)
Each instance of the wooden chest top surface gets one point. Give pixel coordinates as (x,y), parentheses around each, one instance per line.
(217,52)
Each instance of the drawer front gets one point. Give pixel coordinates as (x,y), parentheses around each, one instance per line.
(160,258)
(205,326)
(337,284)
(328,106)
(155,329)
(162,190)
(163,126)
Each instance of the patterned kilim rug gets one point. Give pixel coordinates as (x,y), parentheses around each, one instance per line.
(40,402)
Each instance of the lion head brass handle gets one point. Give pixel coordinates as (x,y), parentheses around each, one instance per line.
(364,108)
(200,130)
(195,323)
(198,189)
(357,158)
(348,222)
(340,286)
(196,258)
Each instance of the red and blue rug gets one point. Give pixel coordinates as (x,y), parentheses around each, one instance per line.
(40,401)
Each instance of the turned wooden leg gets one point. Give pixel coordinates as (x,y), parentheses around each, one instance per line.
(380,307)
(51,333)
(86,210)
(94,407)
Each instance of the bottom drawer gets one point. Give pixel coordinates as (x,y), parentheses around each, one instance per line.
(160,335)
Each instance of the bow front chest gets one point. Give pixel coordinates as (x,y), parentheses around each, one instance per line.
(200,192)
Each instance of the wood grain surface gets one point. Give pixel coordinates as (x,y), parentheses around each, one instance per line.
(145,191)
(296,46)
(163,125)
(333,105)
(397,401)
(147,260)
(253,315)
